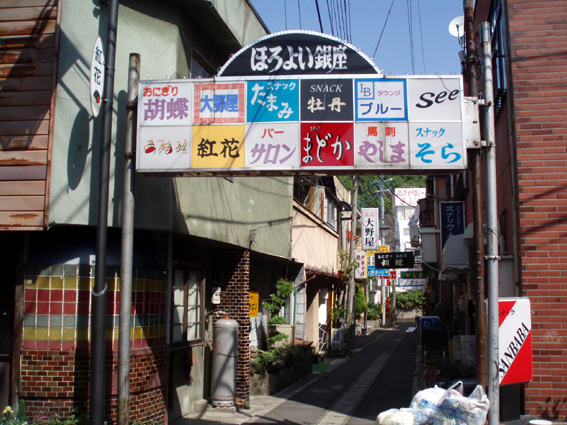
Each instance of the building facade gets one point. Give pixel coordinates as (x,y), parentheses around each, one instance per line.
(528,64)
(527,40)
(191,234)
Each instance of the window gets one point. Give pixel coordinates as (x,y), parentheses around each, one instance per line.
(187,321)
(499,55)
(199,66)
(332,213)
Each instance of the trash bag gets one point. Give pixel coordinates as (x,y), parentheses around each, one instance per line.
(425,404)
(456,409)
(402,416)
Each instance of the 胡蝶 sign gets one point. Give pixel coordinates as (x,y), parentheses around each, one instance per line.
(300,125)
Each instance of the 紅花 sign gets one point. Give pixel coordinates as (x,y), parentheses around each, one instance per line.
(97,77)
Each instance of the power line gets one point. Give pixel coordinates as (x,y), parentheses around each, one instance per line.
(330,18)
(319,15)
(285,13)
(383,28)
(410,29)
(421,36)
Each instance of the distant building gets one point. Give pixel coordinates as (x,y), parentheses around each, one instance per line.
(404,203)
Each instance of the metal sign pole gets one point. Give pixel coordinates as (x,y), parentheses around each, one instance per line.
(492,231)
(98,320)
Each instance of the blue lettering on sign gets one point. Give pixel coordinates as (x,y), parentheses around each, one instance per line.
(378,272)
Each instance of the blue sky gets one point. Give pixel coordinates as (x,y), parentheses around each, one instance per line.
(435,50)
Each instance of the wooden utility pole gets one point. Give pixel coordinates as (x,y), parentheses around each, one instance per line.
(471,74)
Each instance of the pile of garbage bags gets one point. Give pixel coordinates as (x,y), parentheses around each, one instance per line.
(438,406)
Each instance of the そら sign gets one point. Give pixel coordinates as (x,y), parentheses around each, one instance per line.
(515,341)
(300,104)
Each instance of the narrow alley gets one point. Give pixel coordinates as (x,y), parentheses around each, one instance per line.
(380,375)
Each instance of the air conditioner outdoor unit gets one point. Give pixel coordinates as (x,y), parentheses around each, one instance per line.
(337,339)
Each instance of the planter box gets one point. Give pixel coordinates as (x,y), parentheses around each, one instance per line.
(271,383)
(288,330)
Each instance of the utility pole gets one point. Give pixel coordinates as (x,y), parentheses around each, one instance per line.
(471,72)
(98,303)
(383,241)
(492,257)
(352,252)
(127,245)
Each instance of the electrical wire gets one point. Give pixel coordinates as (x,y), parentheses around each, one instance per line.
(285,13)
(383,28)
(331,23)
(421,36)
(319,15)
(410,29)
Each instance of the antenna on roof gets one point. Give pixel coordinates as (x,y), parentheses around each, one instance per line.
(457,29)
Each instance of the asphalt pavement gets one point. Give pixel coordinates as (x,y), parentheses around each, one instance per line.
(380,374)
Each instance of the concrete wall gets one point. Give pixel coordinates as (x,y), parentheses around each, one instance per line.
(313,242)
(165,36)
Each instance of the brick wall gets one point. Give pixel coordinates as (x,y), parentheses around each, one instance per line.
(538,36)
(234,275)
(55,362)
(57,382)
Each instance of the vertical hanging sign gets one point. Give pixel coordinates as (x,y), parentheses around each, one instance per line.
(514,341)
(370,228)
(97,77)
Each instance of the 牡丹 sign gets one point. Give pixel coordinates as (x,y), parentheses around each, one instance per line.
(300,125)
(514,341)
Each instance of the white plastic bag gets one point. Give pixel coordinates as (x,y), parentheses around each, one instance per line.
(396,417)
(456,409)
(425,403)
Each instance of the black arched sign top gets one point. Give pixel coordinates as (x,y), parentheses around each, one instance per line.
(298,53)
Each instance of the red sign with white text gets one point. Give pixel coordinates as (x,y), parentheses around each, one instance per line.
(515,341)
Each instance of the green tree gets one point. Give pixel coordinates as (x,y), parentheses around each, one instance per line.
(277,300)
(360,303)
(409,300)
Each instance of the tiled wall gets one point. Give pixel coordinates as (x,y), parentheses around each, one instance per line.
(57,307)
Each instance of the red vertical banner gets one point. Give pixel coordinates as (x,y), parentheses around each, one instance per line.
(515,363)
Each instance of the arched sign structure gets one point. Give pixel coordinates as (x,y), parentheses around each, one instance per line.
(297,103)
(298,53)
